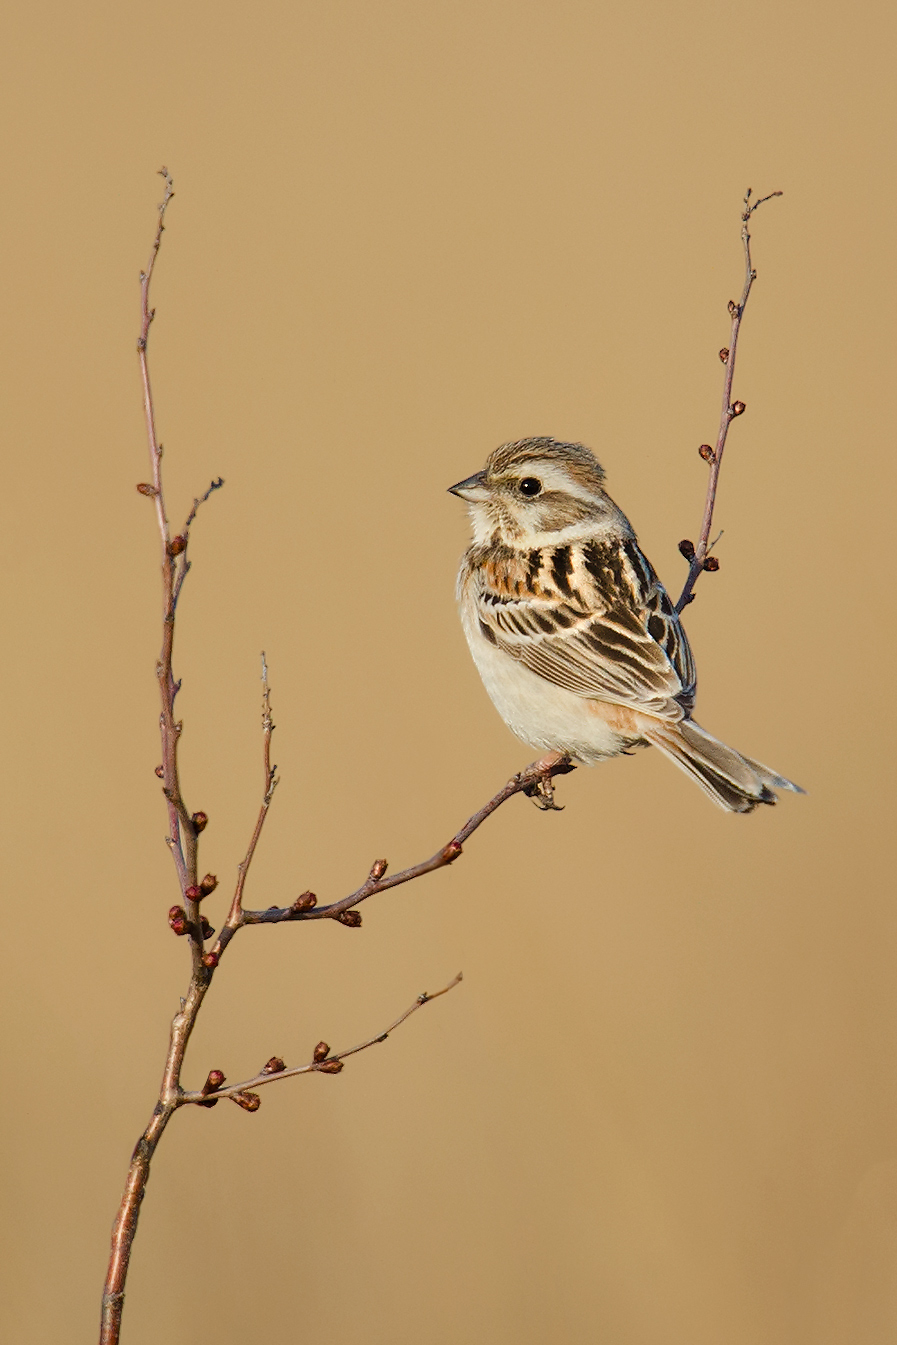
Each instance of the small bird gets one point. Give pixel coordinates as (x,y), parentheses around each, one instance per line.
(574,636)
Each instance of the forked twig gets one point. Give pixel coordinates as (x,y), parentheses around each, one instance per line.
(323,1062)
(698,555)
(184,831)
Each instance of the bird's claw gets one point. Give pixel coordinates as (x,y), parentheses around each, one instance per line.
(542,795)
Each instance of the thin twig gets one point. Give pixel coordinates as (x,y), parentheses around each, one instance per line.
(182,838)
(730,409)
(235,915)
(183,539)
(318,1066)
(526,781)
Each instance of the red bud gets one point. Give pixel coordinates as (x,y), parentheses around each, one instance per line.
(177,919)
(200,822)
(194,893)
(452,851)
(213,1082)
(210,960)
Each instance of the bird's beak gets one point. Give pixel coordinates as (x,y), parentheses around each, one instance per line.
(473,489)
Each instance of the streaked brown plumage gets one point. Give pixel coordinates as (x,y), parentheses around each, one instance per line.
(576,639)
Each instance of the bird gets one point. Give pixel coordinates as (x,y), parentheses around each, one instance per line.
(575,638)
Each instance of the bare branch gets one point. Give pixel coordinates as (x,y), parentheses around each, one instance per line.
(322,1063)
(698,555)
(534,780)
(179,544)
(235,916)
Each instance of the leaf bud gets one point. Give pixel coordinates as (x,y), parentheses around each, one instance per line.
(207,930)
(208,884)
(724,354)
(200,822)
(351,919)
(738,408)
(330,1066)
(687,548)
(248,1101)
(274,1066)
(706,452)
(321,1052)
(452,851)
(177,545)
(711,563)
(177,919)
(214,1081)
(210,960)
(160,771)
(305,902)
(378,868)
(733,308)
(146,489)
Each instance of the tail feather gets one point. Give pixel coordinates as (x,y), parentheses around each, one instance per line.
(734,782)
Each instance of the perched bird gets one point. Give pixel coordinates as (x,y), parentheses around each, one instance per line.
(574,636)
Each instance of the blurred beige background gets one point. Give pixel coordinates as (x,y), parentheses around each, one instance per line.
(661,1109)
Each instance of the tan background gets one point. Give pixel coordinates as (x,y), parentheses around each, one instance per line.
(661,1109)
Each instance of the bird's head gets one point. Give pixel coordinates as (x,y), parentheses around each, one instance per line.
(536,492)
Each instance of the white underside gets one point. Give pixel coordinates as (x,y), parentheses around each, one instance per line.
(544,715)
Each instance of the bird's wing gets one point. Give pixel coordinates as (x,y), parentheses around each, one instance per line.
(595,620)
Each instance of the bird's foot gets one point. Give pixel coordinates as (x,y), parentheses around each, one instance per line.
(541,790)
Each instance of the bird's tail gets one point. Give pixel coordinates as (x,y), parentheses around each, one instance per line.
(733,781)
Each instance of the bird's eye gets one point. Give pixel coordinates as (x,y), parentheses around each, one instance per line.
(530,486)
